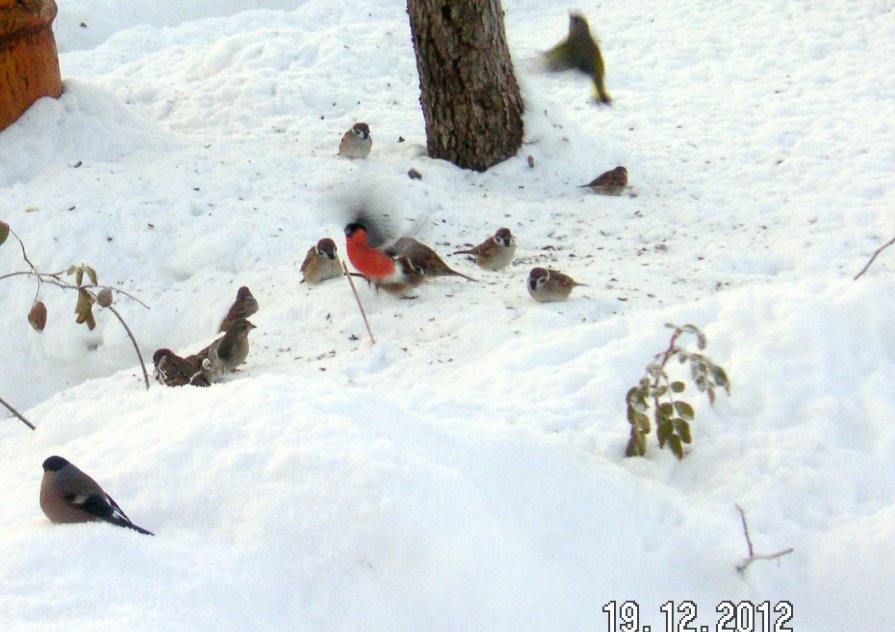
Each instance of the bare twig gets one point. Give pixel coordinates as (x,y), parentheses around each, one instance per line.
(357,298)
(115,289)
(127,294)
(55,278)
(24,272)
(17,414)
(742,566)
(875,254)
(24,254)
(134,341)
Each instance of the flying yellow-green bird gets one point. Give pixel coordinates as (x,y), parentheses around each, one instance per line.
(579,51)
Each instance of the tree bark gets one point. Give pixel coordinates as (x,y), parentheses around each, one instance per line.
(470,98)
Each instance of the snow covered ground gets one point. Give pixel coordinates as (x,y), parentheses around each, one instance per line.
(467,470)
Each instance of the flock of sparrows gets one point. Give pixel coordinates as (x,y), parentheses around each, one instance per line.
(68,495)
(401,265)
(405,263)
(223,355)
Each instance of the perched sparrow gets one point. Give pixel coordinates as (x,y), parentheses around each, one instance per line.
(227,352)
(548,286)
(321,263)
(422,258)
(494,253)
(356,142)
(610,183)
(579,51)
(244,306)
(69,495)
(393,275)
(172,370)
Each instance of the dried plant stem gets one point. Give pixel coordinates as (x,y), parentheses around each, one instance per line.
(17,414)
(363,312)
(55,278)
(133,341)
(115,289)
(24,254)
(875,255)
(742,566)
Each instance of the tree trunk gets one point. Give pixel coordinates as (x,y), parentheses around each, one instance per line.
(470,98)
(29,66)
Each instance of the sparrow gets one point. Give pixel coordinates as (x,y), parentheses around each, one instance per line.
(172,370)
(494,253)
(612,182)
(356,142)
(321,263)
(227,352)
(548,286)
(394,275)
(68,495)
(422,258)
(244,306)
(579,51)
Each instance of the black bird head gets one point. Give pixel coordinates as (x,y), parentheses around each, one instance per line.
(54,464)
(377,227)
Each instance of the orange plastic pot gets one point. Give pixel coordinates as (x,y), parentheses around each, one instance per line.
(29,63)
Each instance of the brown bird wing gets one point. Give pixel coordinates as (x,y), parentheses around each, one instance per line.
(484,249)
(487,247)
(345,142)
(602,179)
(180,371)
(404,247)
(233,347)
(241,308)
(422,257)
(312,253)
(615,178)
(563,280)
